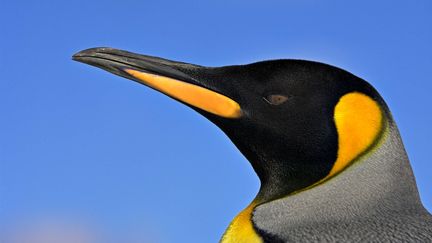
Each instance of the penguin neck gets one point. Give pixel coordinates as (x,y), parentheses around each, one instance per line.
(380,180)
(281,178)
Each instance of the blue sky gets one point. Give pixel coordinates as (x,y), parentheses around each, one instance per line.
(83,145)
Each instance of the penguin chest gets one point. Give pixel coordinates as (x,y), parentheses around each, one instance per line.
(241,229)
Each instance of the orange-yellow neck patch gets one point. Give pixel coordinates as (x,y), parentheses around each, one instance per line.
(241,229)
(358,120)
(194,95)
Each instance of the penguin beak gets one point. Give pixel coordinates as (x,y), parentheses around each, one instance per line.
(165,76)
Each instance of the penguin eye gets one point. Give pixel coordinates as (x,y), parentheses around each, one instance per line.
(276,99)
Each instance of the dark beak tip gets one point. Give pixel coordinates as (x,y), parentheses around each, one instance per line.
(76,56)
(90,52)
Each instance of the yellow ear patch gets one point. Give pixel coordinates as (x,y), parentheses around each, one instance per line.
(194,95)
(358,120)
(241,229)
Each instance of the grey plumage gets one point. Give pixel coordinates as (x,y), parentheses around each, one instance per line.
(374,200)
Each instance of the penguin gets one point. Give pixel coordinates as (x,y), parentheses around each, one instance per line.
(322,141)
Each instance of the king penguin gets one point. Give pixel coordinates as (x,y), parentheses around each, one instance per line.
(322,141)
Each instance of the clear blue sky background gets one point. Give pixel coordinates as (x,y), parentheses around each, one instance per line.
(81,143)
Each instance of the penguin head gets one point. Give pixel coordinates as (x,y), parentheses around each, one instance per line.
(298,122)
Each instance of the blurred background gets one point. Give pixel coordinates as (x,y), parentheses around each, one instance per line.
(88,155)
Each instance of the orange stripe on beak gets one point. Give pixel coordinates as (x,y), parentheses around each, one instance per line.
(194,95)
